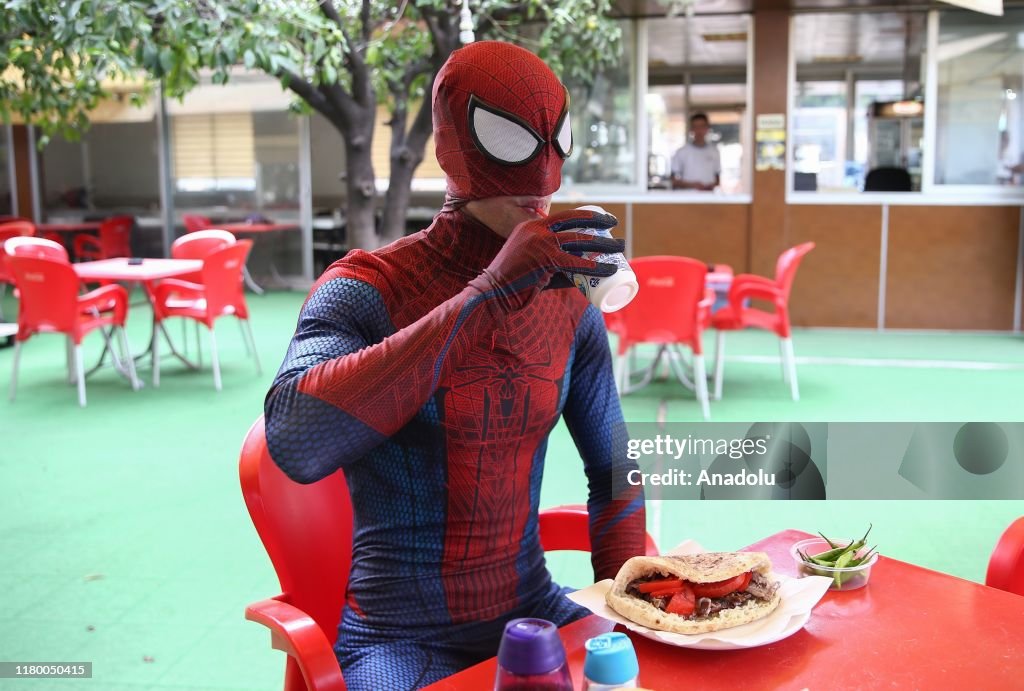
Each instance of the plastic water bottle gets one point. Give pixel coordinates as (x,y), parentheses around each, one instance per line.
(531,657)
(610,663)
(614,292)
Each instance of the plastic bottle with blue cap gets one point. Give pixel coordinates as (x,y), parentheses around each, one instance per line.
(610,663)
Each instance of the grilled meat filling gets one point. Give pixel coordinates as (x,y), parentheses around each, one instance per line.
(759,588)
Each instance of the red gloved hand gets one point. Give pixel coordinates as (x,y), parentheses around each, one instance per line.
(538,250)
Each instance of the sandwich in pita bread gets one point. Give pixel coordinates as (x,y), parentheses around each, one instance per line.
(696,593)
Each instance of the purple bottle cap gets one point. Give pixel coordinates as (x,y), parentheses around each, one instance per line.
(531,646)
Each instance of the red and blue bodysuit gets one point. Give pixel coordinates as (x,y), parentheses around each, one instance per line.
(432,371)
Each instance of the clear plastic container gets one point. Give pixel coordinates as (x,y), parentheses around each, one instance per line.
(849,578)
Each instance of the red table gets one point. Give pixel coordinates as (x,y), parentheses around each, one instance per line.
(909,628)
(256,228)
(147,273)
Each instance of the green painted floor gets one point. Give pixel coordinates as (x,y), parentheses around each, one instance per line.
(125,542)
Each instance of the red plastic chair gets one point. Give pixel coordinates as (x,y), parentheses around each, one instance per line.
(307,532)
(115,240)
(11,229)
(194,222)
(199,244)
(1006,566)
(30,246)
(218,294)
(739,315)
(671,309)
(567,527)
(50,303)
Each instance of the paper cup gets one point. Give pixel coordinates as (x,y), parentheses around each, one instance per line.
(609,294)
(614,292)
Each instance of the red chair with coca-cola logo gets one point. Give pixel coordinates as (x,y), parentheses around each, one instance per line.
(741,315)
(672,309)
(50,303)
(218,294)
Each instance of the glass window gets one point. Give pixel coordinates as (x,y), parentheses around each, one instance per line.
(848,68)
(63,175)
(327,158)
(6,160)
(234,148)
(214,152)
(235,159)
(112,168)
(980,118)
(604,124)
(819,136)
(697,65)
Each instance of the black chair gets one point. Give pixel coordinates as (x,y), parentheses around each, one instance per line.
(887,180)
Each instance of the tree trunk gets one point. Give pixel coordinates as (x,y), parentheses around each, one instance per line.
(396,203)
(360,189)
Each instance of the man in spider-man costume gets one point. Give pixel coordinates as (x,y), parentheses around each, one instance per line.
(432,371)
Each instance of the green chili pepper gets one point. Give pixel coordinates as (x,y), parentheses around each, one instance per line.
(841,563)
(830,543)
(863,559)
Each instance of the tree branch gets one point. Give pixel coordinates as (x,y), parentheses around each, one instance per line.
(351,49)
(414,70)
(487,21)
(338,109)
(422,125)
(364,20)
(327,7)
(342,100)
(304,89)
(398,123)
(443,32)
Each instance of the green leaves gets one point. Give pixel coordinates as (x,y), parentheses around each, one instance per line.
(61,56)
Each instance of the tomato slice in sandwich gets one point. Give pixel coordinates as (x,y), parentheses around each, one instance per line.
(662,584)
(682,603)
(723,588)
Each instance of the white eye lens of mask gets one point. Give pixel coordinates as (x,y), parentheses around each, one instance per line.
(563,142)
(500,137)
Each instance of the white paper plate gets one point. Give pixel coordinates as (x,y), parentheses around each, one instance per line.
(795,624)
(798,598)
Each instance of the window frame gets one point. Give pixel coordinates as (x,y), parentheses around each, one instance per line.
(931,192)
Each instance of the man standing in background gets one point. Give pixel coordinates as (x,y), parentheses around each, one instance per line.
(697,165)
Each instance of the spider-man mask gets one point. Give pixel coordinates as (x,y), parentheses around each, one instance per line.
(501,123)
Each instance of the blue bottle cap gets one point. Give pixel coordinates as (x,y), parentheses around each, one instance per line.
(530,647)
(610,659)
